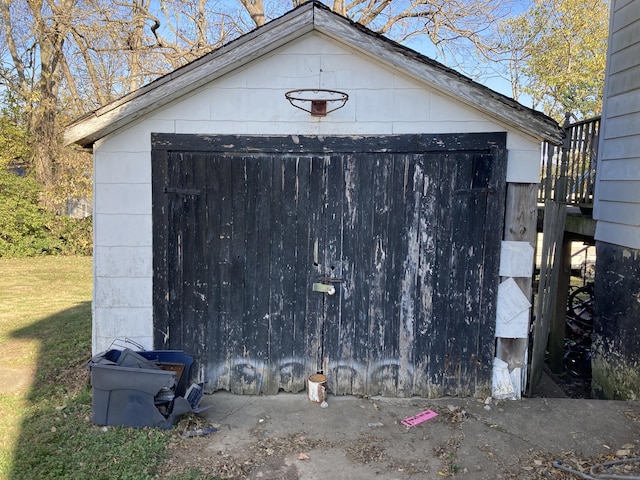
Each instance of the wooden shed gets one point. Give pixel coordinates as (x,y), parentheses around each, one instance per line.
(378,243)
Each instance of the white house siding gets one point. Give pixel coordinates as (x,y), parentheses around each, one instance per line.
(251,101)
(617,204)
(616,340)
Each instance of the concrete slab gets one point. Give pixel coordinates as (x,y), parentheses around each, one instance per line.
(287,437)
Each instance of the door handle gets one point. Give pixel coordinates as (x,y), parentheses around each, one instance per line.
(323,288)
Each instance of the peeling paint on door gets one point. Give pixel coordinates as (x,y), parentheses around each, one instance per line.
(402,231)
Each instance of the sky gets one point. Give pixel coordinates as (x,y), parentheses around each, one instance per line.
(499,84)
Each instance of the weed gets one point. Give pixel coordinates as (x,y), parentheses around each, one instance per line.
(452,466)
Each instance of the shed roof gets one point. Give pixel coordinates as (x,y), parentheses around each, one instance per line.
(310,16)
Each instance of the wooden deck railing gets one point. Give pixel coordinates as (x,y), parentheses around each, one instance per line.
(569,171)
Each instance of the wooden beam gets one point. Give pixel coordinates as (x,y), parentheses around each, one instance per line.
(521,212)
(577,225)
(558,321)
(520,225)
(581,225)
(554,218)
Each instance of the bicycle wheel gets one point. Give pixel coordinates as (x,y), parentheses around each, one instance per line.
(580,305)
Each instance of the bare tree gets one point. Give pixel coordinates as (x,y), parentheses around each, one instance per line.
(256,10)
(39,91)
(64,57)
(456,29)
(100,49)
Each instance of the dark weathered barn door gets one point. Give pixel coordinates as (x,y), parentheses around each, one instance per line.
(250,233)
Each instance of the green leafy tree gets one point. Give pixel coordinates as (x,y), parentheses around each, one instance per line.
(23,224)
(14,138)
(557,55)
(26,227)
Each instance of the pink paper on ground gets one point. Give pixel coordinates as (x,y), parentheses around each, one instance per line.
(419,418)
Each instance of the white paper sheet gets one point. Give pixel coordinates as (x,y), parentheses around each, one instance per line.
(513,311)
(516,259)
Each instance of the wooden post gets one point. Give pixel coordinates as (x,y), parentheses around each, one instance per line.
(558,320)
(561,186)
(521,216)
(554,219)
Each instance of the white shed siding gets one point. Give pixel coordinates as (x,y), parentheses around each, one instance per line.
(123,237)
(251,101)
(618,187)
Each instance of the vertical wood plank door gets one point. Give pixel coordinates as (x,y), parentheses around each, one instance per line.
(406,229)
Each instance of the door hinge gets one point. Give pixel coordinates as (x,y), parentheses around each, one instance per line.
(477,190)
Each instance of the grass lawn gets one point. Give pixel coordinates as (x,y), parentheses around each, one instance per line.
(45,397)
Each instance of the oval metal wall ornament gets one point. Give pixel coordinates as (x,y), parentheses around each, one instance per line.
(317,101)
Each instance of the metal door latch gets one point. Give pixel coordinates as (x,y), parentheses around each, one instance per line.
(323,288)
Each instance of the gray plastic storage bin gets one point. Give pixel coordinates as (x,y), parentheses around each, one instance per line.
(124,396)
(141,389)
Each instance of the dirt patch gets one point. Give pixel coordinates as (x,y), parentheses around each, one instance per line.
(278,458)
(366,449)
(264,454)
(16,379)
(17,374)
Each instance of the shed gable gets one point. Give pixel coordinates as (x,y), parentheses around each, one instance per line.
(381,100)
(311,16)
